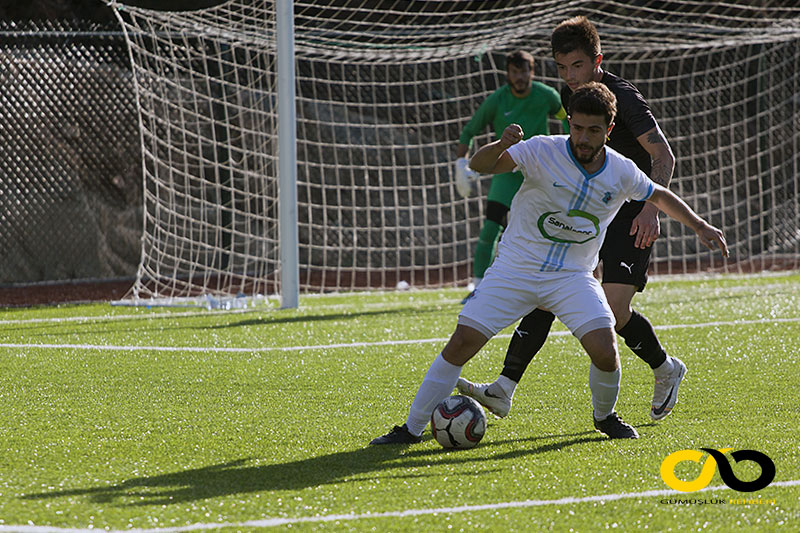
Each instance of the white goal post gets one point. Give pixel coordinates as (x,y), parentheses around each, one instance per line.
(383,89)
(287,155)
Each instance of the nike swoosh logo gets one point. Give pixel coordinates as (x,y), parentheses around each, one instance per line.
(507,113)
(663,406)
(557,184)
(490,395)
(660,409)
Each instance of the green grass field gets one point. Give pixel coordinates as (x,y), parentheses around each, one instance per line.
(128,418)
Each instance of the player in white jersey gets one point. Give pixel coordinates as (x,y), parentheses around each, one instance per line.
(573,186)
(561,215)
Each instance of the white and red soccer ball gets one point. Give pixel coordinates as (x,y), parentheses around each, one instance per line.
(458,422)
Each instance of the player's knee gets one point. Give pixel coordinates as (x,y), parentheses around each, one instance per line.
(607,361)
(463,344)
(538,318)
(619,300)
(602,349)
(622,314)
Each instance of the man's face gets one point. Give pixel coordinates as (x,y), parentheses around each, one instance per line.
(576,68)
(519,79)
(587,136)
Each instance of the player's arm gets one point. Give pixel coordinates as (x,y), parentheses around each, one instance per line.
(557,110)
(480,119)
(671,204)
(464,177)
(561,115)
(645,225)
(493,158)
(654,142)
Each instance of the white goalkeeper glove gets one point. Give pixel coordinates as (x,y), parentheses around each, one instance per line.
(464,177)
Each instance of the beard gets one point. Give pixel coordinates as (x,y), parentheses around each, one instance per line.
(585,160)
(519,87)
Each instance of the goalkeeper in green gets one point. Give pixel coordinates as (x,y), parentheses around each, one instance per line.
(521,101)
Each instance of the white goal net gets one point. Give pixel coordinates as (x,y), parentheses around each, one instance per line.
(383,91)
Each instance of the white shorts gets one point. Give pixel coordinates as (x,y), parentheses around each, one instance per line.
(505,295)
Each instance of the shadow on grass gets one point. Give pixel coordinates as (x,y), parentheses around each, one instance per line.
(394,312)
(57,329)
(241,477)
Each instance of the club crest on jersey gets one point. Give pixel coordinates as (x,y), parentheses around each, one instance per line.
(607,197)
(576,227)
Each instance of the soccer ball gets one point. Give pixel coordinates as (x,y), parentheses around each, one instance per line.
(458,422)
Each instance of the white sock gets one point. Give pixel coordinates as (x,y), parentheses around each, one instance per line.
(605,389)
(437,385)
(664,369)
(508,385)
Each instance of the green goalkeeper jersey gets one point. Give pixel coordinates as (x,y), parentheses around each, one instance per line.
(502,108)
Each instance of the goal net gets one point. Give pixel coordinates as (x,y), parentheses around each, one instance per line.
(383,91)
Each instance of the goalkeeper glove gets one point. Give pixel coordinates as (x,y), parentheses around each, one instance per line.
(464,177)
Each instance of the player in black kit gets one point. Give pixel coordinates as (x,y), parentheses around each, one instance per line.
(625,253)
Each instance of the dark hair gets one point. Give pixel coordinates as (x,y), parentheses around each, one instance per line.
(519,58)
(594,98)
(576,33)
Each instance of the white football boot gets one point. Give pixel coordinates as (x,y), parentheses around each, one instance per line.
(489,395)
(665,392)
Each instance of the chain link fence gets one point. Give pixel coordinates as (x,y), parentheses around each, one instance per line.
(70,165)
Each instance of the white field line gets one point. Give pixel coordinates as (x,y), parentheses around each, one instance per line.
(273,522)
(105,318)
(259,349)
(317,305)
(198,311)
(150,315)
(201,312)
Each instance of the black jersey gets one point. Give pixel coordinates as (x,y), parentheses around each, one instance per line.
(633,119)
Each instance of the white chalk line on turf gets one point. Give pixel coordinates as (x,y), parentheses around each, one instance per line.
(273,522)
(108,318)
(258,349)
(166,313)
(150,315)
(200,313)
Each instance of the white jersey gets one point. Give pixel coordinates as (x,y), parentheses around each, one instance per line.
(559,217)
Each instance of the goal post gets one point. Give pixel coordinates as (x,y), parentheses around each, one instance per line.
(383,89)
(287,155)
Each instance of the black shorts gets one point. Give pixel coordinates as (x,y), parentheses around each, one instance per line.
(622,261)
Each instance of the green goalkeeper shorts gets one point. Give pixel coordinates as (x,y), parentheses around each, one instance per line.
(504,187)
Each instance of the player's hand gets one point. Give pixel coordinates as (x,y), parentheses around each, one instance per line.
(709,235)
(646,226)
(511,136)
(465,177)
